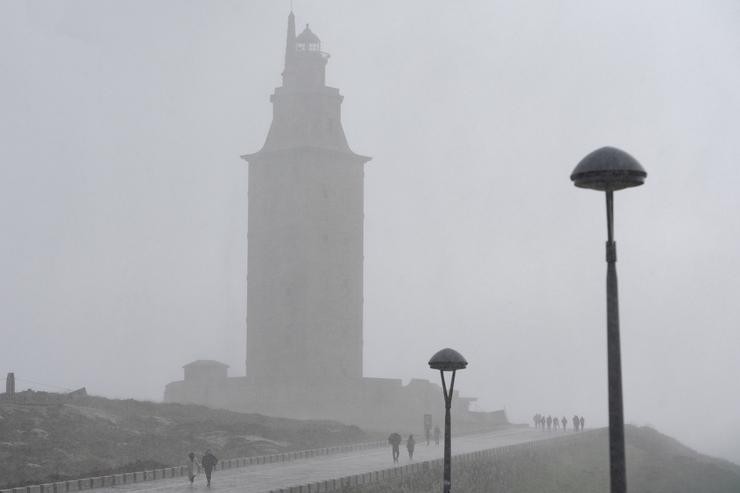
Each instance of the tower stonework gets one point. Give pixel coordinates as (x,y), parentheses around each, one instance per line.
(305,253)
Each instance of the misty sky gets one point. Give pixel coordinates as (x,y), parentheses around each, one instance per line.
(123,201)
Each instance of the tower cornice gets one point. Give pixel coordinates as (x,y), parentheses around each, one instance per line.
(304,150)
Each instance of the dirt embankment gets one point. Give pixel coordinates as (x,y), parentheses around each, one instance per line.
(93,435)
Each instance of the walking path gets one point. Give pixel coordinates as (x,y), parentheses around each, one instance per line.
(265,477)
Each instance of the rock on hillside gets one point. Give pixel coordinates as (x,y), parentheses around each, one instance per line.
(40,443)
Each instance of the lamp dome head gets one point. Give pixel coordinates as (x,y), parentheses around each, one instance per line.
(608,169)
(447,360)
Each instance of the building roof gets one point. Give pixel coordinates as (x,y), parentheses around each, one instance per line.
(206,362)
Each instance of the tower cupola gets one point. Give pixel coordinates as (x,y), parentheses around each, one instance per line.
(308,41)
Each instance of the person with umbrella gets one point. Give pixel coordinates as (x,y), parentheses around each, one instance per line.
(395,440)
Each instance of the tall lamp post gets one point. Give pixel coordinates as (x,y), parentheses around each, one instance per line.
(447,360)
(608,170)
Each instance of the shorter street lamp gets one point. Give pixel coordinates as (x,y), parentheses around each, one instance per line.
(447,360)
(608,170)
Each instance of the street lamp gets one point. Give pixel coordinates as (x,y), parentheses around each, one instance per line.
(447,360)
(609,169)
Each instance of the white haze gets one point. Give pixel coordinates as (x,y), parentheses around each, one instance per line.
(123,201)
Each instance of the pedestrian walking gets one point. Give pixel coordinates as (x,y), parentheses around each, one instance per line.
(193,467)
(576,422)
(437,433)
(565,423)
(410,444)
(549,423)
(583,422)
(209,463)
(536,419)
(395,440)
(555,423)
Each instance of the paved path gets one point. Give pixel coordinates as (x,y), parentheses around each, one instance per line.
(265,477)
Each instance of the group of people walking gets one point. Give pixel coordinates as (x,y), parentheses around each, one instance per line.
(550,423)
(207,463)
(437,434)
(395,440)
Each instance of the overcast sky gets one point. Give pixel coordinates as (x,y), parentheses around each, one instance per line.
(123,201)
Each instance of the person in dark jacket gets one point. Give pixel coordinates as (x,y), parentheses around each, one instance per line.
(209,463)
(583,423)
(410,444)
(395,440)
(565,423)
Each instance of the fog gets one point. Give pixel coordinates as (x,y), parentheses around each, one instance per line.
(123,201)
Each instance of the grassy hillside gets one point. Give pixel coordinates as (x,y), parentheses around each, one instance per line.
(655,464)
(40,443)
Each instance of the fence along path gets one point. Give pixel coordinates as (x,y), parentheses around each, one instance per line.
(330,472)
(338,484)
(130,478)
(308,471)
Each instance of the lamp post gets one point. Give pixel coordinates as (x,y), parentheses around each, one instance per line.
(447,360)
(608,170)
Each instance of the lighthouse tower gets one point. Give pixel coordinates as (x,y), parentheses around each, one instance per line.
(305,234)
(305,275)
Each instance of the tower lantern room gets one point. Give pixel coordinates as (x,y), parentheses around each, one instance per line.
(305,63)
(308,41)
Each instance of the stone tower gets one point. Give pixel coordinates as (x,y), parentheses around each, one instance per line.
(10,384)
(305,258)
(305,276)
